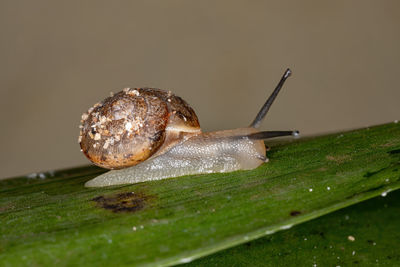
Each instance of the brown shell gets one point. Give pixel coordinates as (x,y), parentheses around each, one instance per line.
(130,126)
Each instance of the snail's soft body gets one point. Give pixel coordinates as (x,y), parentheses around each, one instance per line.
(146,134)
(203,153)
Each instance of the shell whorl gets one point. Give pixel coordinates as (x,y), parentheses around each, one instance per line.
(130,126)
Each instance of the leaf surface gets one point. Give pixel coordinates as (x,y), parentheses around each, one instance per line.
(366,234)
(53,219)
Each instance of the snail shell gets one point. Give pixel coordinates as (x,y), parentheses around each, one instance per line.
(134,124)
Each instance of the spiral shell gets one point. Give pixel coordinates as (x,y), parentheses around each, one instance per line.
(132,125)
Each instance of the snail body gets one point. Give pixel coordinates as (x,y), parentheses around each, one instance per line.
(145,134)
(203,153)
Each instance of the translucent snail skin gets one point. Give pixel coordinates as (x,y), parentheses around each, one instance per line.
(145,134)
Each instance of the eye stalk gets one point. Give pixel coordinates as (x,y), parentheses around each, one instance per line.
(271,134)
(264,110)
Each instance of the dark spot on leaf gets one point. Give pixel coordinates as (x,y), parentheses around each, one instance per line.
(123,202)
(367,191)
(322,234)
(369,174)
(370,241)
(395,170)
(355,262)
(396,151)
(295,213)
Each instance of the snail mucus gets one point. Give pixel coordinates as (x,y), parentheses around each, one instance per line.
(145,134)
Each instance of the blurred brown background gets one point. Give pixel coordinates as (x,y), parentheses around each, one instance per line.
(57,58)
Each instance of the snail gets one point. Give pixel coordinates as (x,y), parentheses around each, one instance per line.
(145,134)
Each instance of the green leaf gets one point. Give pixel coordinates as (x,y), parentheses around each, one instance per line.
(56,220)
(366,234)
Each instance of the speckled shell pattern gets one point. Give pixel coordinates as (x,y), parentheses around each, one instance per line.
(130,126)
